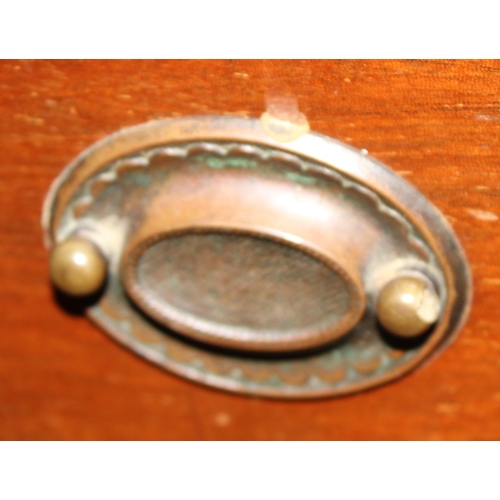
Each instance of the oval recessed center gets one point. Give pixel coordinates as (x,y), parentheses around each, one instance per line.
(241,290)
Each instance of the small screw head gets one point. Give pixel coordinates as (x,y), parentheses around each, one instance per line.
(77,267)
(408,306)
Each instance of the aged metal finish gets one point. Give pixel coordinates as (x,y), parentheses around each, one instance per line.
(259,266)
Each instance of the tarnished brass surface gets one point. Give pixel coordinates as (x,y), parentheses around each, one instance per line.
(243,291)
(253,265)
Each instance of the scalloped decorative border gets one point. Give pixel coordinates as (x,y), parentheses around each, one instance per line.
(142,160)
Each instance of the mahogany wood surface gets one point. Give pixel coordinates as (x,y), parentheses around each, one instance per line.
(435,122)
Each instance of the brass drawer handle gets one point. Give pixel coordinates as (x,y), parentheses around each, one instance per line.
(298,269)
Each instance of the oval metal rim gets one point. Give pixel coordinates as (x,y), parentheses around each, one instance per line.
(318,148)
(300,339)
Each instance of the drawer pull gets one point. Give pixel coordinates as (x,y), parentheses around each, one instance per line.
(285,269)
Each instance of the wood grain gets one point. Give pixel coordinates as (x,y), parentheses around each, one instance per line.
(435,122)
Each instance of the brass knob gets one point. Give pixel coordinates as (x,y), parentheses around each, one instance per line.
(77,267)
(408,306)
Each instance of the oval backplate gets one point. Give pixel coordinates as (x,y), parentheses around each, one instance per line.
(396,229)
